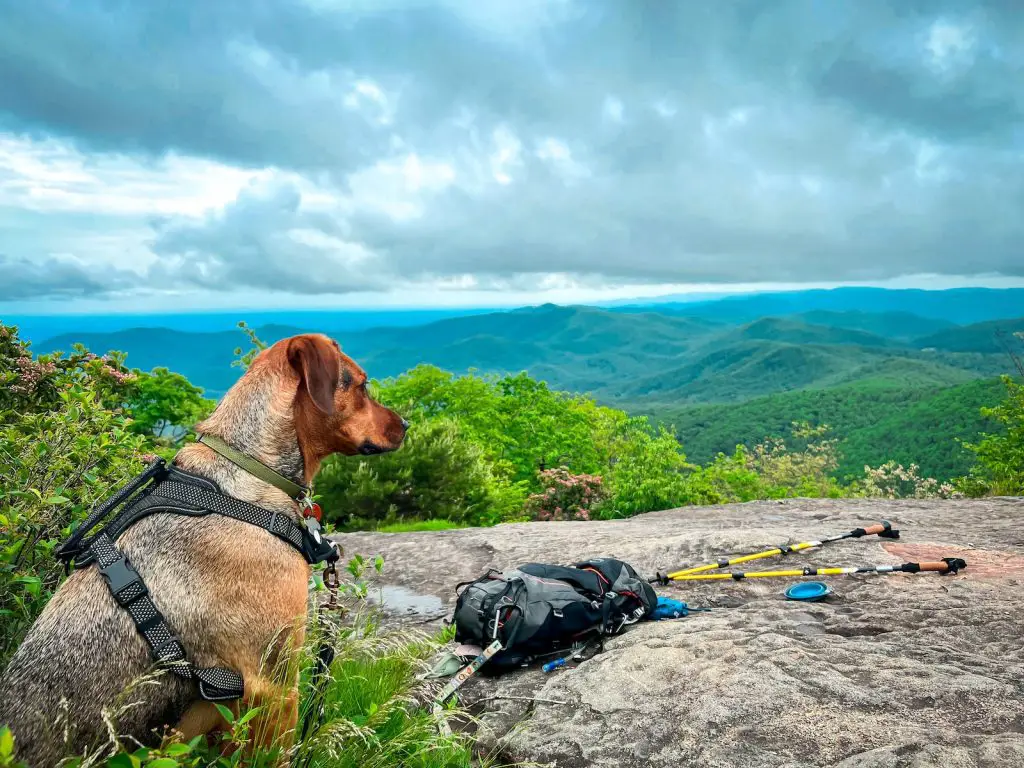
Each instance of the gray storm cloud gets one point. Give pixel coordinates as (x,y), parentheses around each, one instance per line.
(633,142)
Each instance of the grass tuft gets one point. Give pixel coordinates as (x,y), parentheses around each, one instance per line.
(420,525)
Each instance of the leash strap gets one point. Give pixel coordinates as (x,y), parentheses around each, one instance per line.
(130,592)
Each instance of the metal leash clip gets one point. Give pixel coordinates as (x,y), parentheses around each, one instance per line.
(332,583)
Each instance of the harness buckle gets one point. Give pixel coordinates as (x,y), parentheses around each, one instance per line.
(124,581)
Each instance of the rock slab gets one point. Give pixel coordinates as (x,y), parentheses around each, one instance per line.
(900,671)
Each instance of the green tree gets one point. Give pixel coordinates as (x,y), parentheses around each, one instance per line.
(648,470)
(435,474)
(164,406)
(1000,456)
(519,422)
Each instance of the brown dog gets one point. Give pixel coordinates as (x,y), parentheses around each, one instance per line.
(231,591)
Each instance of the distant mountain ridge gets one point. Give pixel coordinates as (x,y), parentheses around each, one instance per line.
(892,383)
(961,306)
(993,336)
(635,357)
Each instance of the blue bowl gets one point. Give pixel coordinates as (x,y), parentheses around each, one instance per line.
(809,590)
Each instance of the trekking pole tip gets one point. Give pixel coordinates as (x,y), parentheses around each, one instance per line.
(954,564)
(888,532)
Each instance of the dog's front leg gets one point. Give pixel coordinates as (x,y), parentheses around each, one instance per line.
(272,727)
(200,719)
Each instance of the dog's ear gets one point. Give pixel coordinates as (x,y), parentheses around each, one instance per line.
(316,361)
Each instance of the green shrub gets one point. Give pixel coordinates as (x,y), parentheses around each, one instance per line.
(520,424)
(725,480)
(647,471)
(1000,456)
(61,453)
(435,474)
(806,471)
(772,470)
(894,481)
(164,406)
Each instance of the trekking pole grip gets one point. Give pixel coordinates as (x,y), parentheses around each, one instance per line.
(883,529)
(949,564)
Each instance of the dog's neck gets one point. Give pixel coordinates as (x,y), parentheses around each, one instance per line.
(255,417)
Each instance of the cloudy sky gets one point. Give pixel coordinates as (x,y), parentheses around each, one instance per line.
(341,153)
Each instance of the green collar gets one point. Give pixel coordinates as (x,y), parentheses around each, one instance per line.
(254,467)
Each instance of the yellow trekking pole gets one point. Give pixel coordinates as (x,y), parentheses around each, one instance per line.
(946,565)
(883,529)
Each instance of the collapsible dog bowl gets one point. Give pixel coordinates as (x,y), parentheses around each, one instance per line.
(808,590)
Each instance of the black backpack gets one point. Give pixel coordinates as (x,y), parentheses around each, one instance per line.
(538,610)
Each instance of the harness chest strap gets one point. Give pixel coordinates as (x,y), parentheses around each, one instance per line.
(130,592)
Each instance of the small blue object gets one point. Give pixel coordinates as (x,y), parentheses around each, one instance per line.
(553,665)
(809,590)
(668,608)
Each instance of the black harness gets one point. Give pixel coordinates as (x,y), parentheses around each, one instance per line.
(164,489)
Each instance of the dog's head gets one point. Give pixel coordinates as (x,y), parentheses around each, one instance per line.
(333,410)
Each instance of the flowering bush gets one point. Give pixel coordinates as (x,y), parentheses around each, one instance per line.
(806,471)
(37,384)
(565,496)
(893,481)
(62,450)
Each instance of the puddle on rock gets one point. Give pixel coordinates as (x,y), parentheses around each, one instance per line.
(402,601)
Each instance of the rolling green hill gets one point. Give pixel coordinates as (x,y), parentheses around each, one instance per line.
(901,326)
(876,419)
(989,337)
(644,358)
(803,331)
